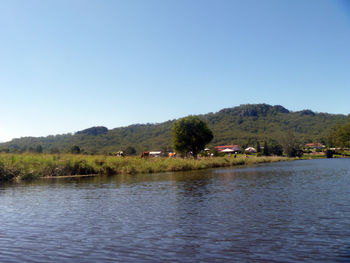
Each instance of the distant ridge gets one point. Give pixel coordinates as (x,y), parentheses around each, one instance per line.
(243,125)
(94,131)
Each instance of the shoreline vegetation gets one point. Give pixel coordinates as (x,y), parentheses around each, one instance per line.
(31,166)
(16,167)
(190,135)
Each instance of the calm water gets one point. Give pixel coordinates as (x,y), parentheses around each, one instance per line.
(282,212)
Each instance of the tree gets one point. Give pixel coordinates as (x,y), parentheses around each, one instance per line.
(39,149)
(266,150)
(275,148)
(129,150)
(190,134)
(329,153)
(258,148)
(75,149)
(290,144)
(5,150)
(340,136)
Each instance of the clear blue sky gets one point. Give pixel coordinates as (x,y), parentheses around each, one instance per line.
(67,65)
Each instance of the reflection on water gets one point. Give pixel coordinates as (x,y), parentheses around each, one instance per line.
(282,212)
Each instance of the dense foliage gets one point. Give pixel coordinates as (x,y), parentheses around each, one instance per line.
(340,136)
(243,125)
(291,145)
(190,134)
(75,149)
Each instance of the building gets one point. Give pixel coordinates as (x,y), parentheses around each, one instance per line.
(234,148)
(314,146)
(250,150)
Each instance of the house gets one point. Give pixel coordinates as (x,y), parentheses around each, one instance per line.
(250,150)
(234,148)
(314,146)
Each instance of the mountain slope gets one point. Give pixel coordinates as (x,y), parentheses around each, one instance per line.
(244,124)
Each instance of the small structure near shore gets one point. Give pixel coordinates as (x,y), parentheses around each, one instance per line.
(250,150)
(228,148)
(314,146)
(155,153)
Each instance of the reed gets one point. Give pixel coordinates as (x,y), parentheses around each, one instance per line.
(30,166)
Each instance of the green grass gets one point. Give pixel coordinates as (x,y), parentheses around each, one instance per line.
(30,166)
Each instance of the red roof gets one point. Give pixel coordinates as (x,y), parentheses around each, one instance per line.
(222,147)
(314,144)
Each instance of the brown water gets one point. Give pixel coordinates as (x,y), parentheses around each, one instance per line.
(282,212)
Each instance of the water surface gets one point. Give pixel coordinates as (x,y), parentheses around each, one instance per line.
(283,212)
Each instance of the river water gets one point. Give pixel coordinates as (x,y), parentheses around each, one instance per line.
(282,212)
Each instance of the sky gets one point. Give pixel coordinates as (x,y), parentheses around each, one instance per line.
(67,65)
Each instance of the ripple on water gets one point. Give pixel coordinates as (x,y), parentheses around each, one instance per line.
(282,212)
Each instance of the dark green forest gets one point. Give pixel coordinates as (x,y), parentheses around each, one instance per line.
(242,125)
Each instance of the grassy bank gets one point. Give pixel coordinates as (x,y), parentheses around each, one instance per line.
(29,166)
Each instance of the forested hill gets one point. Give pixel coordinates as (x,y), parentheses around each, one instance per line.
(241,125)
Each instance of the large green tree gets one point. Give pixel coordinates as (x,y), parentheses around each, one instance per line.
(75,149)
(190,134)
(291,145)
(129,151)
(340,136)
(266,150)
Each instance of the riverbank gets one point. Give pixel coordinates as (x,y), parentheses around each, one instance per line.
(30,166)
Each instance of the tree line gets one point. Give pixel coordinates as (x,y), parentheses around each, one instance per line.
(244,125)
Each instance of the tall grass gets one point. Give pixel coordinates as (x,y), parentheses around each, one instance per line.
(29,166)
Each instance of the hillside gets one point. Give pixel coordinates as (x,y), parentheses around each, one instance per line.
(244,124)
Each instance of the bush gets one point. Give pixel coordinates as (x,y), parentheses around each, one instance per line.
(329,153)
(75,149)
